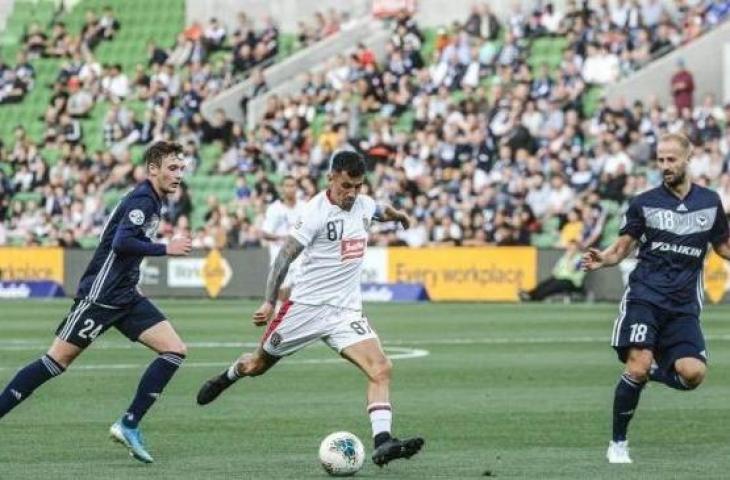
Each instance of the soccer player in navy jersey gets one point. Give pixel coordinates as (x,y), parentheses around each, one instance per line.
(657,333)
(108,296)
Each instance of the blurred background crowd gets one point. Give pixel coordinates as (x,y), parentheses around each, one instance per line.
(488,131)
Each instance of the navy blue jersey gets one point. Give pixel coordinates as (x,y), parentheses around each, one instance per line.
(113,273)
(673,237)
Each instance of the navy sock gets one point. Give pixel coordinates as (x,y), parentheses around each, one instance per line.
(625,401)
(27,380)
(669,378)
(154,380)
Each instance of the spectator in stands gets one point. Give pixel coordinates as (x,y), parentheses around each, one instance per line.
(683,87)
(218,129)
(115,83)
(470,147)
(12,88)
(34,41)
(108,23)
(214,35)
(601,67)
(92,32)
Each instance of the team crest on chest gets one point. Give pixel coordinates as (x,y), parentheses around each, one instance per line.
(701,220)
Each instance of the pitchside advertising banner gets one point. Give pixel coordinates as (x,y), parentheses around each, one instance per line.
(389,274)
(31,272)
(466,273)
(213,274)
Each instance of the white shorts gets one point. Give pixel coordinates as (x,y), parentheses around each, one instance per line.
(298,325)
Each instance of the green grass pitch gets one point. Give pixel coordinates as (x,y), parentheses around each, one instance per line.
(511,391)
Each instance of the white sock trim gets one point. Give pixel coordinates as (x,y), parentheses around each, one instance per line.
(232,373)
(381,417)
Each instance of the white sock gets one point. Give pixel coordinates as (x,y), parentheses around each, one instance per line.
(381,417)
(232,372)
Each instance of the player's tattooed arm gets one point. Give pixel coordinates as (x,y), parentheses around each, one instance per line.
(288,253)
(386,213)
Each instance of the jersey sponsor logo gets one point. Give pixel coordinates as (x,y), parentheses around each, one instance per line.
(136,216)
(352,248)
(680,223)
(681,249)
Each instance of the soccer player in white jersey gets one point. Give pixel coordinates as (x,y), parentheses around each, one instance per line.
(326,302)
(279,220)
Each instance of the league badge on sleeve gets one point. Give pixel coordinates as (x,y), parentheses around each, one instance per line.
(136,216)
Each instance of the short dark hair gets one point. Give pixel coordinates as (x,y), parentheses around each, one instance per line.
(288,177)
(159,150)
(348,161)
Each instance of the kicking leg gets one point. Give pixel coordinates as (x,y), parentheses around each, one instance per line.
(248,365)
(163,339)
(369,357)
(27,380)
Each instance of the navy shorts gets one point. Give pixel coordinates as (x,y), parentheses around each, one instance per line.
(86,321)
(670,335)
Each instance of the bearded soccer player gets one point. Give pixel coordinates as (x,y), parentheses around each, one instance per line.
(657,333)
(326,302)
(107,296)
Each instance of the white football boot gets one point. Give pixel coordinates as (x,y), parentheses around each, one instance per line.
(618,452)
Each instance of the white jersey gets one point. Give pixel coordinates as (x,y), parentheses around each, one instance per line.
(335,243)
(279,220)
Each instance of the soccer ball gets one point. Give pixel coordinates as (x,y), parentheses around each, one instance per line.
(341,454)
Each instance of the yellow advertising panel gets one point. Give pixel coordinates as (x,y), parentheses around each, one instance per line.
(36,263)
(466,273)
(716,277)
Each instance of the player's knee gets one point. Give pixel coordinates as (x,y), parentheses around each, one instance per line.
(693,374)
(62,358)
(64,355)
(180,348)
(638,371)
(382,370)
(638,364)
(252,365)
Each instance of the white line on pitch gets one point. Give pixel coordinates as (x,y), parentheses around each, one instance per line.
(27,344)
(394,353)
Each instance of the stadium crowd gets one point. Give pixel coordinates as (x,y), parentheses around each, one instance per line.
(477,144)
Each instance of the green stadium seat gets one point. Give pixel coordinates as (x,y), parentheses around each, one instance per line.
(111,197)
(88,242)
(28,197)
(545,240)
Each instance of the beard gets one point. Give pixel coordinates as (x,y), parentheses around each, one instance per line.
(676,179)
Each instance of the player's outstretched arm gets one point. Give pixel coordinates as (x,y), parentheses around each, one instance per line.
(594,259)
(386,213)
(288,253)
